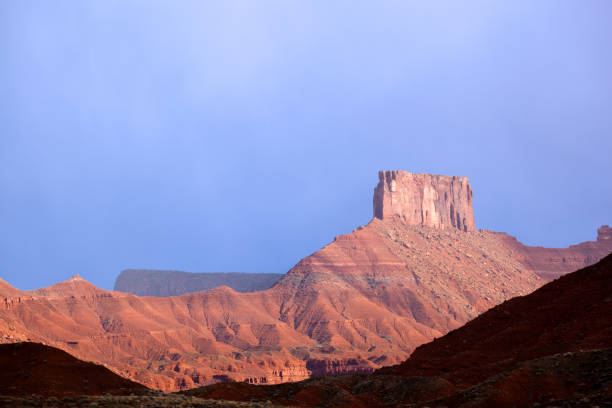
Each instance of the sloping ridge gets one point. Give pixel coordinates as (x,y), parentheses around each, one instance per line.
(33,368)
(570,314)
(6,290)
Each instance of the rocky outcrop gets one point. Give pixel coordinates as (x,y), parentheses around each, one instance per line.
(146,282)
(425,199)
(604,233)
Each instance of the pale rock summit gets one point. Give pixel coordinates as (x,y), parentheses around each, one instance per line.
(425,199)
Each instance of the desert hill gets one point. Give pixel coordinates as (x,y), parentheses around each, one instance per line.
(364,301)
(146,282)
(550,348)
(75,286)
(32,368)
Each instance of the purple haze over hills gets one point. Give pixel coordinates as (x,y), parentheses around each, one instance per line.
(243,136)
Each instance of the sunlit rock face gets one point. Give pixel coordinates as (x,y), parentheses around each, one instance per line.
(425,199)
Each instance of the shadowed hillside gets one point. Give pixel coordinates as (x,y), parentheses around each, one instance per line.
(32,368)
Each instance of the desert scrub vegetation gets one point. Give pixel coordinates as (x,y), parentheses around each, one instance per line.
(113,401)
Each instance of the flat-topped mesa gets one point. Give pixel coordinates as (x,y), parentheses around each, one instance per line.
(425,199)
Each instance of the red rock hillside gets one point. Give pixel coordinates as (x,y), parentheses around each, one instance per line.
(550,348)
(364,301)
(7,290)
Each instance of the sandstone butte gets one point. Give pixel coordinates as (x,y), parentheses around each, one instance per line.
(417,270)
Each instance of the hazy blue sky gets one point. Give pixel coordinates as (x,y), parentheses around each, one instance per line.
(243,136)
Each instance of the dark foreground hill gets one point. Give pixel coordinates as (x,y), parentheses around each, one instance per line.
(36,375)
(550,348)
(33,368)
(570,314)
(145,282)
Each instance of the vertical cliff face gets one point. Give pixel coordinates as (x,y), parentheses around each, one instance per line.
(425,199)
(604,233)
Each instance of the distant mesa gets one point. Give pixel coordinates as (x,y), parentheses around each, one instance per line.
(147,282)
(425,199)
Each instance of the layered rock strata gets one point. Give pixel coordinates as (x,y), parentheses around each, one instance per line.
(425,199)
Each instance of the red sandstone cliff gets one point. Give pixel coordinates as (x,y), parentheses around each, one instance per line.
(425,199)
(364,301)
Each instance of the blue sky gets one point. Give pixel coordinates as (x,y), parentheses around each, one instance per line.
(243,136)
